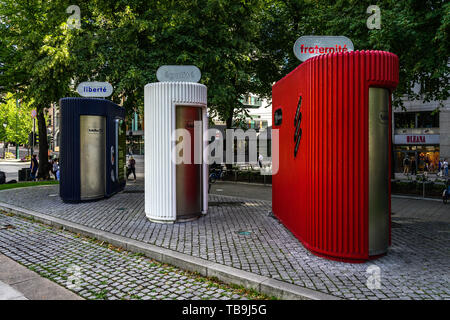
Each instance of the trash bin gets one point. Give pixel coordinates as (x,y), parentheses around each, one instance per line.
(92,151)
(24,174)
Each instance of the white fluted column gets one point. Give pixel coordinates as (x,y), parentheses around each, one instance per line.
(160,101)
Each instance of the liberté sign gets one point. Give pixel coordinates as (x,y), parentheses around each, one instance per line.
(310,46)
(95,89)
(178,74)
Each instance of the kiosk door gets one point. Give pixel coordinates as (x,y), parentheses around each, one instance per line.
(92,157)
(378,171)
(189,175)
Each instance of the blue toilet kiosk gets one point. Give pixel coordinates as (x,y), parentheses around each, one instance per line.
(92,150)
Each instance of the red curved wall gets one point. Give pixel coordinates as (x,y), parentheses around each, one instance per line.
(321,194)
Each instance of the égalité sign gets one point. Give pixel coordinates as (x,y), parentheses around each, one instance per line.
(171,73)
(310,46)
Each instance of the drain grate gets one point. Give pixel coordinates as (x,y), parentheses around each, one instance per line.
(133,191)
(225,203)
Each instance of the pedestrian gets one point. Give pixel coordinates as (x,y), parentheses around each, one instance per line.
(426,168)
(131,168)
(55,168)
(34,167)
(413,166)
(406,165)
(445,167)
(260,159)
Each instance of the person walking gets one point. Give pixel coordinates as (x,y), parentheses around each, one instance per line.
(55,168)
(406,165)
(131,168)
(260,160)
(413,166)
(34,167)
(445,167)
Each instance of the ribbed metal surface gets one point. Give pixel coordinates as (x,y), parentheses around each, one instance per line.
(321,194)
(160,101)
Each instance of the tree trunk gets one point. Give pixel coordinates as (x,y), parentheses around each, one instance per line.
(43,171)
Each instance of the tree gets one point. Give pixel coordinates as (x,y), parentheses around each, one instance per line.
(125,43)
(17,119)
(36,65)
(417,31)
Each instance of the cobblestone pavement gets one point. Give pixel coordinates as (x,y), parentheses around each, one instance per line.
(95,271)
(239,233)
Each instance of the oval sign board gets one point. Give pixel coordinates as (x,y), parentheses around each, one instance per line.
(310,46)
(178,74)
(33,113)
(95,89)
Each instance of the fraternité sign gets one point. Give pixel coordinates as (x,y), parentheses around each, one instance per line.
(310,46)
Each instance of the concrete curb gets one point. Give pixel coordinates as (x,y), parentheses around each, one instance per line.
(415,198)
(226,274)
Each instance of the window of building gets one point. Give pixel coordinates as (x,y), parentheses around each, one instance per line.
(411,120)
(251,101)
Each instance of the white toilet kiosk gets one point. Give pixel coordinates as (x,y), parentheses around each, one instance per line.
(175,191)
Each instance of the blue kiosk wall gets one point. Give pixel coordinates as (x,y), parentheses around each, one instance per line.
(73,170)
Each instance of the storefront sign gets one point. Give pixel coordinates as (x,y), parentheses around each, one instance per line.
(416,139)
(178,74)
(310,46)
(95,89)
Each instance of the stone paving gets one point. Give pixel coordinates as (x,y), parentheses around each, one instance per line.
(95,271)
(240,233)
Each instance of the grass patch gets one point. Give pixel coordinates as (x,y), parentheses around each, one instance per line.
(7,186)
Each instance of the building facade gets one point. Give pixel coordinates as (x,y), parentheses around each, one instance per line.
(421,132)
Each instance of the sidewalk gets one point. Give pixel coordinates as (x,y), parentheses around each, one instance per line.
(19,283)
(92,269)
(239,241)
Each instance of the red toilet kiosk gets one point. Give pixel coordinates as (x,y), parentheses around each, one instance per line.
(332,188)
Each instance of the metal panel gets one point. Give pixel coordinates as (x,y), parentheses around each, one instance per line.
(322,195)
(378,170)
(189,175)
(92,157)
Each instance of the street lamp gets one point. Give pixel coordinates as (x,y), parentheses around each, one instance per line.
(4,142)
(17,120)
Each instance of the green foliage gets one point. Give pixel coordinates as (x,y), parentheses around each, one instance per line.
(17,119)
(417,31)
(26,184)
(241,46)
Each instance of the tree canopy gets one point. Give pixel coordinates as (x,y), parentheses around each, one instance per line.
(15,120)
(240,46)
